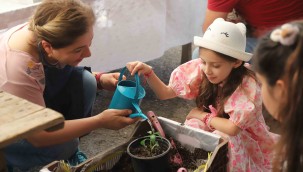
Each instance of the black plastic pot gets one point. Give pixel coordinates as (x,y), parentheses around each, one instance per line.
(158,163)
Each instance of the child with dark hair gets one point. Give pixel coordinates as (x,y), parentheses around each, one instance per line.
(278,62)
(227,94)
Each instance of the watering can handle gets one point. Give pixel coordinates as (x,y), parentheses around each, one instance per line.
(137,81)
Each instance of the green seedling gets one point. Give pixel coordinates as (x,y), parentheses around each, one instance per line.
(150,141)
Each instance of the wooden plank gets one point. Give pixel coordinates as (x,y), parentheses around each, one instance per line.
(186,53)
(20,118)
(27,125)
(16,108)
(8,99)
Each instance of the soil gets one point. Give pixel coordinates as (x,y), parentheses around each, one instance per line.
(148,150)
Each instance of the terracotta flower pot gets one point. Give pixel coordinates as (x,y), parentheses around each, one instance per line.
(158,162)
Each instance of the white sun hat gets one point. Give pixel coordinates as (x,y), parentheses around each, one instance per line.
(226,38)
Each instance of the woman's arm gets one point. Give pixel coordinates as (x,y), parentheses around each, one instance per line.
(110,119)
(107,81)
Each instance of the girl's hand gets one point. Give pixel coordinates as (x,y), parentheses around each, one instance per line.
(196,113)
(139,67)
(109,81)
(115,119)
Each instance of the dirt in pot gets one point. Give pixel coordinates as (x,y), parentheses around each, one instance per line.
(144,152)
(191,160)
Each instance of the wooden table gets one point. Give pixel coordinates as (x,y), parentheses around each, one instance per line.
(20,118)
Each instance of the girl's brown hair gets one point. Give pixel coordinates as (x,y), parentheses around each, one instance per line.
(209,92)
(61,22)
(276,61)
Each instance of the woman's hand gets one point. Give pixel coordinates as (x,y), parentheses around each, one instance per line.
(196,113)
(109,81)
(139,67)
(115,119)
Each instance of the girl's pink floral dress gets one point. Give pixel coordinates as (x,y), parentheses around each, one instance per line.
(250,150)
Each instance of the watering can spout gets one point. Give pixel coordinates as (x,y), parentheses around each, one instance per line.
(135,115)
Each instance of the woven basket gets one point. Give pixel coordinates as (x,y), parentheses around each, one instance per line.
(106,160)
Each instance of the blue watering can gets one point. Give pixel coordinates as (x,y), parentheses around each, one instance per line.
(128,95)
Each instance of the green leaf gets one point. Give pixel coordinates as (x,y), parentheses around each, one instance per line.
(152,139)
(143,142)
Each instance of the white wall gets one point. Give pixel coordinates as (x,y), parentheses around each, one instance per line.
(9,5)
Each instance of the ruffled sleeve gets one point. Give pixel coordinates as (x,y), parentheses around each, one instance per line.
(245,105)
(186,79)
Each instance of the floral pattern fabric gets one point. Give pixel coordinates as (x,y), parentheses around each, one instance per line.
(251,148)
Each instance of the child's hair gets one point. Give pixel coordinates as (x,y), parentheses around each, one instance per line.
(61,22)
(208,91)
(279,55)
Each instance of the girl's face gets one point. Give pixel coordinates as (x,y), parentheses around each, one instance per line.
(273,96)
(74,53)
(215,67)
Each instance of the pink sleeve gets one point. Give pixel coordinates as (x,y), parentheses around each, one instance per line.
(185,80)
(23,77)
(21,74)
(245,105)
(34,95)
(221,5)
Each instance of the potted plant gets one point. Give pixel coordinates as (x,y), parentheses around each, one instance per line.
(150,153)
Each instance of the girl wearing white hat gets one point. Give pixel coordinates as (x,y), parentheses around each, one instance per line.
(227,94)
